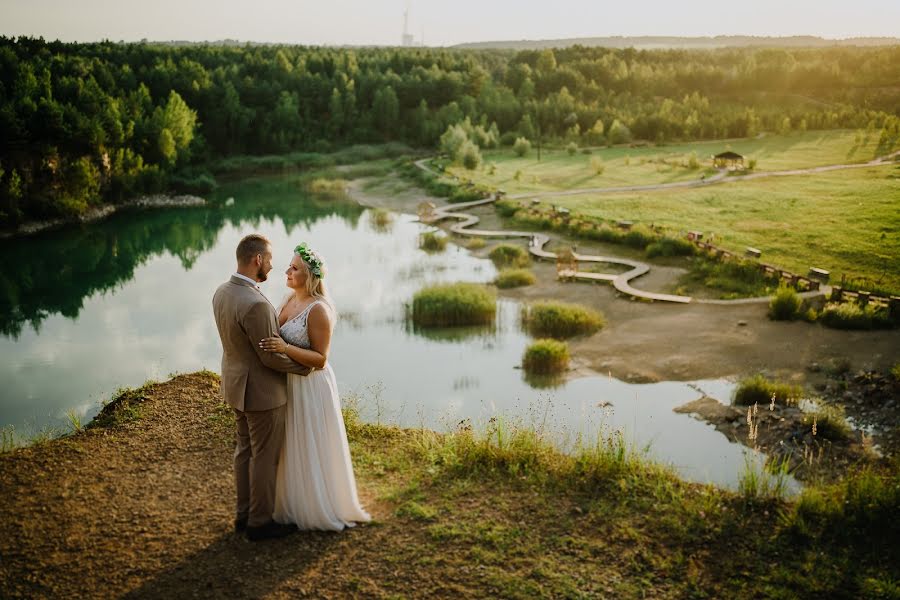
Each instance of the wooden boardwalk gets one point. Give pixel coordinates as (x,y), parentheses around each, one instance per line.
(622,281)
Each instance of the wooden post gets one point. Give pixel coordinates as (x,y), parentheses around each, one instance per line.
(837,292)
(863,297)
(894,307)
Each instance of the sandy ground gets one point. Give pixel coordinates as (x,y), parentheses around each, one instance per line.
(646,342)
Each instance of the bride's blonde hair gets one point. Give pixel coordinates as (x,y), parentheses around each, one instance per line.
(315,286)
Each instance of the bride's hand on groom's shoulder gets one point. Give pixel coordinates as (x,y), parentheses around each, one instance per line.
(273,344)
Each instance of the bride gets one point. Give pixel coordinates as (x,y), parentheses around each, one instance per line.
(315,485)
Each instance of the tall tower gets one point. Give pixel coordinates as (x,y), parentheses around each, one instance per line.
(407,36)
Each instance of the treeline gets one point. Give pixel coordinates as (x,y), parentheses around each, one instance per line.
(83,124)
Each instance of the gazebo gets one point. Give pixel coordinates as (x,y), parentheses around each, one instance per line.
(728,160)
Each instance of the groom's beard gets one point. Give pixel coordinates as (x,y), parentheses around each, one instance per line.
(261,275)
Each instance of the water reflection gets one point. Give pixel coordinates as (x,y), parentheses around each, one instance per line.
(115,303)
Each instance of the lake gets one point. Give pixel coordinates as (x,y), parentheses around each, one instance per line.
(89,309)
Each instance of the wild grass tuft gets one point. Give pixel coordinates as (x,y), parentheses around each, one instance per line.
(8,439)
(476,244)
(759,390)
(561,320)
(667,246)
(895,372)
(546,357)
(850,315)
(381,219)
(860,509)
(431,241)
(510,278)
(74,420)
(763,482)
(454,304)
(123,407)
(508,255)
(830,422)
(786,304)
(328,189)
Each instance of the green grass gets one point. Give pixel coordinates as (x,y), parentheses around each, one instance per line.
(759,390)
(431,241)
(560,319)
(558,170)
(847,222)
(510,278)
(454,304)
(509,255)
(123,407)
(830,422)
(546,357)
(850,315)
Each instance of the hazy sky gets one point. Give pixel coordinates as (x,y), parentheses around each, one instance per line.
(444,22)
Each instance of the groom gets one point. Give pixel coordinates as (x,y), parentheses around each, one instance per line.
(255,386)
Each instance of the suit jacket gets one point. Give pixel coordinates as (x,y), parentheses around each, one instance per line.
(252,379)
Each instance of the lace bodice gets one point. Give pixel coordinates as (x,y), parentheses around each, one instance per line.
(295,331)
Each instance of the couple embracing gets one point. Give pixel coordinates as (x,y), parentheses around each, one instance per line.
(292,462)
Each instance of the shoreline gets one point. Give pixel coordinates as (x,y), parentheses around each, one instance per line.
(139,505)
(105,211)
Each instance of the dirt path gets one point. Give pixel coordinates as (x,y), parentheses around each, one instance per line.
(657,342)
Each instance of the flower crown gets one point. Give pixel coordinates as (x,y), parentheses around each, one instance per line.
(311,259)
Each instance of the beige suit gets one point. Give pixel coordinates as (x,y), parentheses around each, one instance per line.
(255,385)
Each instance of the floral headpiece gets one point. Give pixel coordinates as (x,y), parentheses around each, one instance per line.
(312,260)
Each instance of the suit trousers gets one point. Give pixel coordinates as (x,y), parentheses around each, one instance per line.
(260,436)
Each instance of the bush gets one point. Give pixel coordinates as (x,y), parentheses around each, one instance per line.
(572,148)
(786,304)
(430,241)
(545,357)
(380,218)
(510,278)
(667,246)
(454,304)
(470,156)
(476,244)
(759,390)
(507,208)
(850,315)
(597,166)
(895,371)
(507,255)
(560,319)
(522,146)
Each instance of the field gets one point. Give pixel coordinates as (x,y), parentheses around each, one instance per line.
(847,222)
(623,166)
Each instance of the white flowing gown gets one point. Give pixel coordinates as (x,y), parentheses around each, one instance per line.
(315,487)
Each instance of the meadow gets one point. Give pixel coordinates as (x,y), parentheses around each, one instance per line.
(653,165)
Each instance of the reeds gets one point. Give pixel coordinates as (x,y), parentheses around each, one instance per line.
(546,357)
(431,241)
(759,390)
(508,255)
(454,304)
(786,304)
(510,278)
(560,319)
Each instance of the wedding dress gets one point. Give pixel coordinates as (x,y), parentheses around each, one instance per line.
(315,487)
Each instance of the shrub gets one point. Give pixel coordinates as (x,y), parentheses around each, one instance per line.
(586,151)
(785,305)
(850,315)
(597,166)
(895,371)
(507,208)
(510,278)
(759,390)
(545,357)
(381,218)
(470,156)
(667,246)
(693,163)
(522,146)
(572,148)
(507,255)
(454,304)
(430,241)
(560,319)
(476,244)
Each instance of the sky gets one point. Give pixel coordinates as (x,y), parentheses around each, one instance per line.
(443,23)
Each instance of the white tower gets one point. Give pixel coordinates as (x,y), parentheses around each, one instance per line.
(407,36)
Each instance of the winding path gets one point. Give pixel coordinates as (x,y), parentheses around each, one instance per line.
(621,281)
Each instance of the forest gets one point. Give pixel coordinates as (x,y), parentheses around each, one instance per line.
(86,124)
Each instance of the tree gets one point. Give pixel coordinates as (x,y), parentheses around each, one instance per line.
(619,133)
(522,146)
(470,155)
(386,110)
